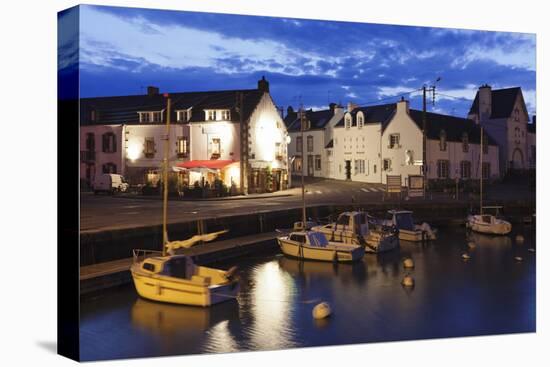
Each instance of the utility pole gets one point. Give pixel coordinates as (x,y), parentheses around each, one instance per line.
(165,178)
(425,89)
(481,173)
(244,147)
(302,122)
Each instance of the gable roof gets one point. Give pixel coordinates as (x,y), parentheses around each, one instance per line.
(124,109)
(502,102)
(453,126)
(373,114)
(318,119)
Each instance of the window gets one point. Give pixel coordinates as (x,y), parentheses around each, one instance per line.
(211,115)
(299,144)
(149,267)
(92,115)
(442,140)
(109,168)
(156,116)
(516,115)
(485,143)
(297,164)
(298,238)
(310,143)
(360,120)
(90,142)
(225,115)
(442,168)
(465,144)
(374,168)
(182,147)
(317,162)
(216,148)
(359,166)
(347,121)
(465,169)
(486,170)
(109,143)
(386,165)
(149,148)
(181,116)
(144,117)
(394,141)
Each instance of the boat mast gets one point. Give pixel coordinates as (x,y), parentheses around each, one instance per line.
(302,122)
(165,178)
(481,173)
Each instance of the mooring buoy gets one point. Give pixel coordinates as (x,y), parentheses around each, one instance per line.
(408,263)
(465,256)
(518,258)
(531,249)
(520,239)
(471,244)
(321,311)
(408,281)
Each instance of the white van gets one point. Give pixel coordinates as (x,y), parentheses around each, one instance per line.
(110,183)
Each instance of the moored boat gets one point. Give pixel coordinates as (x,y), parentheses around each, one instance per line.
(408,230)
(355,228)
(488,223)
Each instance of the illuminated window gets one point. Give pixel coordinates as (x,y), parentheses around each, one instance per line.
(149,147)
(297,164)
(216,148)
(144,117)
(211,115)
(226,115)
(317,162)
(182,116)
(156,116)
(182,147)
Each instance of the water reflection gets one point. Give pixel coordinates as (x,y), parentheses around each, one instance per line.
(356,272)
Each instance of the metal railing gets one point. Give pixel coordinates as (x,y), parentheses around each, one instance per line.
(141,254)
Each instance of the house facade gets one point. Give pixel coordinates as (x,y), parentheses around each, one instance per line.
(206,137)
(503,115)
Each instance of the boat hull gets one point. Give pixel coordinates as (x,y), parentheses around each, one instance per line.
(180,291)
(415,236)
(375,243)
(333,254)
(488,228)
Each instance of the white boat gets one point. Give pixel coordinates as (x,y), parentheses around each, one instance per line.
(354,228)
(408,230)
(488,223)
(311,245)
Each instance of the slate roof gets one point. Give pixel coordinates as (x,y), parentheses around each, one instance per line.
(123,109)
(453,126)
(373,114)
(318,119)
(502,102)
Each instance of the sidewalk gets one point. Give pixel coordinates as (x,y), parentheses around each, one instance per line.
(277,194)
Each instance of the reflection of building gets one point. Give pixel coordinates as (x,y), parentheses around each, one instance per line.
(503,114)
(206,133)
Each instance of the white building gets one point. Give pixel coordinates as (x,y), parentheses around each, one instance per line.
(205,134)
(317,143)
(503,114)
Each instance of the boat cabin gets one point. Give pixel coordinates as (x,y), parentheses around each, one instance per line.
(402,219)
(179,266)
(315,239)
(355,222)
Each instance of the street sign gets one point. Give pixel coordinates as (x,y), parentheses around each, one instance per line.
(416,186)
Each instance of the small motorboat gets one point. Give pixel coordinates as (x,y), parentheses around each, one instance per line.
(408,230)
(311,245)
(357,228)
(489,223)
(176,279)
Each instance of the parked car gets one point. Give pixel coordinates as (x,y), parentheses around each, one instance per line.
(110,183)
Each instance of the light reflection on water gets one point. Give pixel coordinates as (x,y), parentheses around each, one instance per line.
(489,294)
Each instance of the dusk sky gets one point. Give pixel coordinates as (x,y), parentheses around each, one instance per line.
(123,50)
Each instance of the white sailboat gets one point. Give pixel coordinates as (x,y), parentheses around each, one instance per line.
(304,243)
(486,223)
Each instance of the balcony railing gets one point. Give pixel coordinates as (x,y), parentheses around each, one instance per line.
(87,156)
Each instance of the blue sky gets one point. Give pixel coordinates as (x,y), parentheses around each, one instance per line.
(122,50)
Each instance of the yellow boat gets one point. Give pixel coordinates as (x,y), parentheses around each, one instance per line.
(176,279)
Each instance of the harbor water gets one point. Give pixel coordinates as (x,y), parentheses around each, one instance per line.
(492,292)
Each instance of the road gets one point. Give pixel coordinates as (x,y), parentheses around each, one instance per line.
(99,213)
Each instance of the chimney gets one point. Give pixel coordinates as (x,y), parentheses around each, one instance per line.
(351,106)
(289,110)
(484,102)
(152,91)
(263,85)
(403,106)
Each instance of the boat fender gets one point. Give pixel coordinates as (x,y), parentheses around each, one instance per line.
(408,263)
(408,281)
(321,311)
(520,239)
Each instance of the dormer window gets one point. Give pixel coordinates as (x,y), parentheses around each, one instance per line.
(211,115)
(360,120)
(150,116)
(465,143)
(226,116)
(156,116)
(181,116)
(144,117)
(347,121)
(442,140)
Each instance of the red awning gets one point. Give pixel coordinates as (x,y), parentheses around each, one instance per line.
(212,164)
